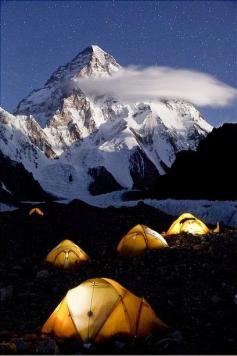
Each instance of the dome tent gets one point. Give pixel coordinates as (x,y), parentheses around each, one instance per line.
(100,308)
(66,255)
(138,239)
(36,211)
(188,223)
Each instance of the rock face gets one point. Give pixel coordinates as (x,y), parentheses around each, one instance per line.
(103,181)
(58,132)
(208,173)
(17,184)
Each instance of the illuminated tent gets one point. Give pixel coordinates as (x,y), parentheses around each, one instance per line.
(36,211)
(67,255)
(138,239)
(100,308)
(190,224)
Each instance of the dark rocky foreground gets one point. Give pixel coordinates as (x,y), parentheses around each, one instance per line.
(192,286)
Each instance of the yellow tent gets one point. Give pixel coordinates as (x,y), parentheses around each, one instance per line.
(138,239)
(100,308)
(67,255)
(36,211)
(190,224)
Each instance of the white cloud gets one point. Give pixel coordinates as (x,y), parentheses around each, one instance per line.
(135,84)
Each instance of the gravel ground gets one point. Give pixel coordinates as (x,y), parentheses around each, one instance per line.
(192,285)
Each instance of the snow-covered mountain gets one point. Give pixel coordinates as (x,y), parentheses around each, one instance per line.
(75,145)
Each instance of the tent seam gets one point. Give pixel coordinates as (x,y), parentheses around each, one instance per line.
(120,298)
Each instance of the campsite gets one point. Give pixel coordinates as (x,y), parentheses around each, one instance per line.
(118,171)
(190,284)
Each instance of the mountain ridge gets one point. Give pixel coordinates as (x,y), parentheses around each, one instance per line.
(61,135)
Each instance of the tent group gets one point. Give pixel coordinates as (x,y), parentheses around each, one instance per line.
(137,240)
(100,308)
(68,255)
(141,237)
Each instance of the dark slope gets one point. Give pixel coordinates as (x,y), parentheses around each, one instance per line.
(6,197)
(208,173)
(19,182)
(191,286)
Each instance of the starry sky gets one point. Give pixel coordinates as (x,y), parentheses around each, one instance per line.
(39,36)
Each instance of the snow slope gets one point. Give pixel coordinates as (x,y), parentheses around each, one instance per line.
(210,211)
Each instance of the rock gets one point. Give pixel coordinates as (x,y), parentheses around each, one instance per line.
(177,335)
(47,346)
(163,344)
(197,247)
(119,344)
(170,303)
(215,299)
(211,250)
(220,313)
(205,244)
(7,348)
(87,345)
(17,269)
(42,274)
(6,293)
(21,346)
(26,294)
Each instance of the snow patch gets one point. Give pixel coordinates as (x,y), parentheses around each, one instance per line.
(5,188)
(5,207)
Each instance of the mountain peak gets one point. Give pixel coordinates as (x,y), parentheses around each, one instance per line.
(93,49)
(90,52)
(96,57)
(92,61)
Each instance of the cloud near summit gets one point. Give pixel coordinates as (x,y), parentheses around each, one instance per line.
(134,84)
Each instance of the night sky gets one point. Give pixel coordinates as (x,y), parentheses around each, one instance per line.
(39,36)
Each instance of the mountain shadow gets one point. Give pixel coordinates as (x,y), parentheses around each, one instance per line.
(208,173)
(17,184)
